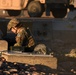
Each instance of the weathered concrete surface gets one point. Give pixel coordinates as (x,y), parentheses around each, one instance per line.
(46,60)
(3,45)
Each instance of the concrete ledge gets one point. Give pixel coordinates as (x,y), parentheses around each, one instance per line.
(46,60)
(3,45)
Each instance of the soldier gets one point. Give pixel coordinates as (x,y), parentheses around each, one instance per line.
(22,36)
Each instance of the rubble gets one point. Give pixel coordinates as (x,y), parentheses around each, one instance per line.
(72,53)
(13,68)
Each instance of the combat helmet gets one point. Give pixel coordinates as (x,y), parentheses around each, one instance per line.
(12,23)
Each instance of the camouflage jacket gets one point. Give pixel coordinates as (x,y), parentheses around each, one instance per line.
(23,38)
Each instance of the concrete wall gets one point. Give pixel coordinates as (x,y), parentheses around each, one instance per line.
(57,34)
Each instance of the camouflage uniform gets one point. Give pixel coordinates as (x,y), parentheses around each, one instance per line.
(22,38)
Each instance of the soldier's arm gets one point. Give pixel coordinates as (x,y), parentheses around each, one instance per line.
(20,36)
(31,41)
